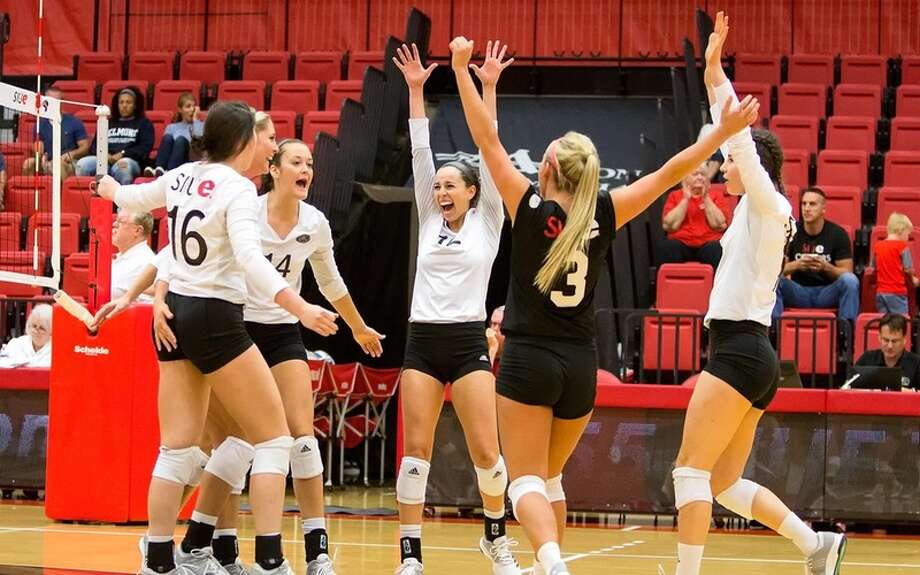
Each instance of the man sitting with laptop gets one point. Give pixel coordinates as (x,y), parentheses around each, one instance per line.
(893,339)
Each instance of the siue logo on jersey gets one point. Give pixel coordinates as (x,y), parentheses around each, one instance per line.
(303,238)
(554,227)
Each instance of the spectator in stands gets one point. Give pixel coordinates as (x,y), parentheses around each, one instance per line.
(130,233)
(2,179)
(34,348)
(130,138)
(495,336)
(892,334)
(820,262)
(894,266)
(177,139)
(74,142)
(694,218)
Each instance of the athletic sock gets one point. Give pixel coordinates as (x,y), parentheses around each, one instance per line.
(410,542)
(549,555)
(494,524)
(268,551)
(160,554)
(315,538)
(226,546)
(689,558)
(200,532)
(802,535)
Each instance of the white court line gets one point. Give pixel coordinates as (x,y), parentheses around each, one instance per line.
(595,553)
(603,552)
(633,528)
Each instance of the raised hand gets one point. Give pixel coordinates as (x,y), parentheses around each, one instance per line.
(106,187)
(736,118)
(461,51)
(410,64)
(714,75)
(493,66)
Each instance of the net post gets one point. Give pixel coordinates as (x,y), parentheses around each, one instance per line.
(102,140)
(100,222)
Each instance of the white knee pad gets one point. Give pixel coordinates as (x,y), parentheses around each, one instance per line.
(306,461)
(493,480)
(691,485)
(176,465)
(739,498)
(231,460)
(273,456)
(524,485)
(554,490)
(202,459)
(412,480)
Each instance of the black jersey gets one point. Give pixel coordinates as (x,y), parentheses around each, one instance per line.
(568,310)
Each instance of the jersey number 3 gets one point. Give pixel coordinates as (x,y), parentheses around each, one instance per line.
(575,279)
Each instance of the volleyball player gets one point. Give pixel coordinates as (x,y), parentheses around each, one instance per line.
(460,222)
(560,236)
(215,244)
(741,377)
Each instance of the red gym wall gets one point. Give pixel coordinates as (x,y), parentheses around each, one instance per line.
(540,28)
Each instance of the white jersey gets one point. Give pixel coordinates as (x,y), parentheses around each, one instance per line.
(754,244)
(213,231)
(453,269)
(19,352)
(128,266)
(310,239)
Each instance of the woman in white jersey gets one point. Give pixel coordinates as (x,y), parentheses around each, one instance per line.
(741,376)
(459,230)
(214,240)
(560,238)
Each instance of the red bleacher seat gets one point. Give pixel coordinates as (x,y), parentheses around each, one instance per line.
(359,61)
(905,200)
(843,205)
(811,69)
(299,96)
(266,66)
(76,275)
(89,119)
(760,91)
(285,123)
(910,70)
(796,132)
(763,68)
(20,262)
(10,224)
(908,101)
(851,133)
(162,233)
(673,332)
(902,168)
(795,167)
(321,66)
(796,339)
(858,100)
(206,67)
(866,337)
(794,195)
(70,231)
(316,122)
(15,154)
(160,119)
(166,93)
(75,195)
(76,91)
(250,91)
(20,194)
(26,132)
(684,287)
(152,66)
(110,88)
(843,168)
(100,67)
(863,69)
(337,92)
(803,100)
(905,134)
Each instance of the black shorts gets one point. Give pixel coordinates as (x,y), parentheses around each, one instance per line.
(209,331)
(277,342)
(558,373)
(740,354)
(447,351)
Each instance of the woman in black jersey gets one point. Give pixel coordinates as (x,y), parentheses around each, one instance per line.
(546,383)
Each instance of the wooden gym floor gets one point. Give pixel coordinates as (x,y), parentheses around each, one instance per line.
(364,545)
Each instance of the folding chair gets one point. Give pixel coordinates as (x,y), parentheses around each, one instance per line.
(347,399)
(323,387)
(381,387)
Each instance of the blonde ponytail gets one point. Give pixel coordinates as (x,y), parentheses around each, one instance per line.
(577,166)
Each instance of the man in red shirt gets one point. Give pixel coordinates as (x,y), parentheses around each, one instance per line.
(694,218)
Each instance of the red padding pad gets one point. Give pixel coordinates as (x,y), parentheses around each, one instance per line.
(649,396)
(799,401)
(865,402)
(30,378)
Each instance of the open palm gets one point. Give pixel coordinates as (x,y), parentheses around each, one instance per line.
(717,40)
(493,66)
(410,64)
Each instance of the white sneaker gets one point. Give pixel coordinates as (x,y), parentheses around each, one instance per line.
(410,566)
(537,569)
(236,568)
(149,171)
(322,565)
(283,569)
(499,553)
(199,561)
(829,555)
(559,569)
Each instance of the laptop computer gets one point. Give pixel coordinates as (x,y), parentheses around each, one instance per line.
(872,377)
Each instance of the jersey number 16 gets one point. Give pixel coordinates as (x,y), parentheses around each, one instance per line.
(186,236)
